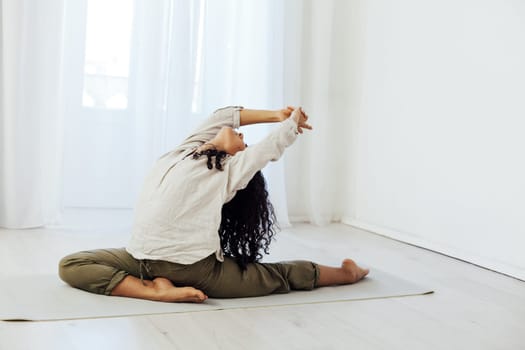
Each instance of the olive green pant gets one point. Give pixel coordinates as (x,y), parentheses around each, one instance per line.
(99,271)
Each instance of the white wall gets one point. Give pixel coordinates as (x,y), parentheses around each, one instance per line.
(439,129)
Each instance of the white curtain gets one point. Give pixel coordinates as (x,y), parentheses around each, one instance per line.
(183,59)
(318,68)
(193,57)
(80,129)
(30,112)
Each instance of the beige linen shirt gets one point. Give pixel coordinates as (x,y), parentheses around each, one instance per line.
(178,213)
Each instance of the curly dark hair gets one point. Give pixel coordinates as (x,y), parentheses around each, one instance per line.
(211,152)
(248,220)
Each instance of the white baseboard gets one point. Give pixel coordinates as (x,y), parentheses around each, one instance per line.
(440,247)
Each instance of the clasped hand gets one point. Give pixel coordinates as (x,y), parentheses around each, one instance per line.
(299,116)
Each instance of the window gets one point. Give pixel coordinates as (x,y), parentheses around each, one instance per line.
(140,75)
(107,54)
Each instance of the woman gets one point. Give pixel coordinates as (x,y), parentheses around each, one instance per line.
(203,220)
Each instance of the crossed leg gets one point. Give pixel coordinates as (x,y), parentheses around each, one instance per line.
(115,272)
(162,289)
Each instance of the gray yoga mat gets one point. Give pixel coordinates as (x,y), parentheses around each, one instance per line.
(46,297)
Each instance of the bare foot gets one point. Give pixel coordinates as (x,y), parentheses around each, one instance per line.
(166,291)
(354,272)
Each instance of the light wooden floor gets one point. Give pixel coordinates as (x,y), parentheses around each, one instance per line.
(472,308)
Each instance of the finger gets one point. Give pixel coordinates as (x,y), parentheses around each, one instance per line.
(305,126)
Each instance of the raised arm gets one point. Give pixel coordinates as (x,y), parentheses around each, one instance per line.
(227,116)
(256,116)
(234,117)
(243,165)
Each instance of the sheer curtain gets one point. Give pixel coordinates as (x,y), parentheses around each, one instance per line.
(182,60)
(320,69)
(211,55)
(111,85)
(31,35)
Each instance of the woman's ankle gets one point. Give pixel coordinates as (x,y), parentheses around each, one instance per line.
(348,273)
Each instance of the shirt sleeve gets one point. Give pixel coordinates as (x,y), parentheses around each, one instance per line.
(227,116)
(243,165)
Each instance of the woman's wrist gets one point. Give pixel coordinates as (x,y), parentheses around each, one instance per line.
(279,116)
(284,114)
(253,116)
